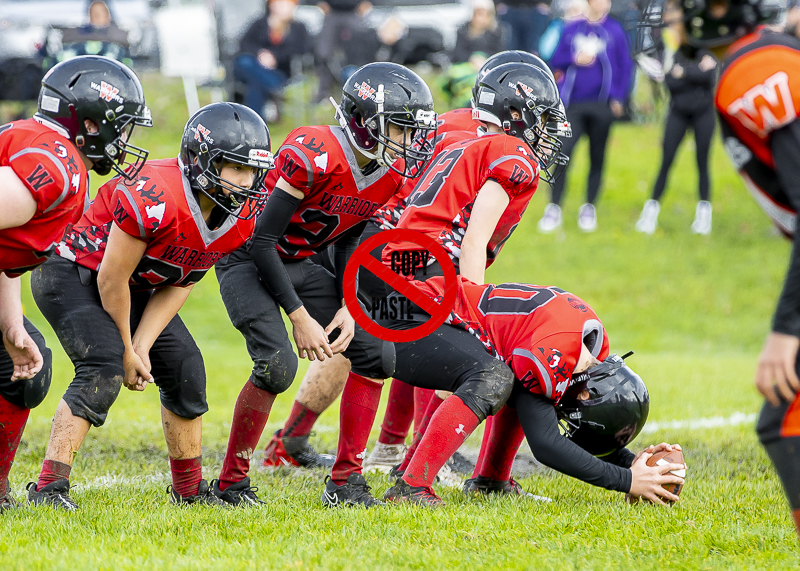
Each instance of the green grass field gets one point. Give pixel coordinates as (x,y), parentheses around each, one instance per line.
(695,310)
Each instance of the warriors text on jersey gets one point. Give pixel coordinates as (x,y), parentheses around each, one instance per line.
(159,208)
(537,330)
(442,202)
(320,162)
(52,170)
(759,92)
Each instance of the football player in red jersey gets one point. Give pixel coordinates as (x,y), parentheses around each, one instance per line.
(44,189)
(537,340)
(122,273)
(758,101)
(327,183)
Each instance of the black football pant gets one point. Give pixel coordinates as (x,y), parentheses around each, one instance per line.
(677,123)
(28,393)
(67,296)
(594,120)
(257,316)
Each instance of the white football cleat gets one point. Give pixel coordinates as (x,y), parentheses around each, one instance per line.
(587,218)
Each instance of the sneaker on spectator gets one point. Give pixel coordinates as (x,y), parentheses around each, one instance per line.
(587,218)
(702,218)
(551,220)
(648,220)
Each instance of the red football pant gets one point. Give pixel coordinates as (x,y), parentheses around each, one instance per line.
(359,405)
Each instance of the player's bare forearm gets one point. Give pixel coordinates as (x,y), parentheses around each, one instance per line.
(10,303)
(486,212)
(472,262)
(162,306)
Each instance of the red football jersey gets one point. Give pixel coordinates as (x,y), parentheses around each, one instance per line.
(459,120)
(441,204)
(389,214)
(759,92)
(159,208)
(538,331)
(319,161)
(50,167)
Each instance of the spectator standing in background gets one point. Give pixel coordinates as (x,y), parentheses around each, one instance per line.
(690,77)
(526,20)
(344,43)
(481,34)
(573,9)
(593,66)
(265,56)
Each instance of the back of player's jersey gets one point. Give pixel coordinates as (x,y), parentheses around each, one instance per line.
(320,162)
(537,330)
(53,171)
(458,120)
(759,92)
(441,204)
(159,208)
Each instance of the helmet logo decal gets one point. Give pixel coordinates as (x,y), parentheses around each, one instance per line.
(365,91)
(107,92)
(528,90)
(261,158)
(206,133)
(577,304)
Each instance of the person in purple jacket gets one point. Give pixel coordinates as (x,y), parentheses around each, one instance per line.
(594,69)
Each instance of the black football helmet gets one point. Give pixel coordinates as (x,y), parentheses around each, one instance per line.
(531,92)
(709,23)
(109,94)
(227,132)
(381,94)
(615,411)
(507,56)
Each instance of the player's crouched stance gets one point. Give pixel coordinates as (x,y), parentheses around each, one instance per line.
(113,293)
(81,123)
(535,345)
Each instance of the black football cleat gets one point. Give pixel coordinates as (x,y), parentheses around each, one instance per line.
(7,501)
(240,494)
(396,472)
(204,496)
(460,464)
(510,487)
(355,492)
(294,451)
(403,492)
(55,494)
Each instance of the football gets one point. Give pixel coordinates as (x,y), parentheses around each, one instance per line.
(665,457)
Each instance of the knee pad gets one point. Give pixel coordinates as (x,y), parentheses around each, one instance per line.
(487,392)
(36,388)
(276,373)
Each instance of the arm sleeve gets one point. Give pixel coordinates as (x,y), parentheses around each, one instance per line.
(622,457)
(271,226)
(786,154)
(697,76)
(540,425)
(343,248)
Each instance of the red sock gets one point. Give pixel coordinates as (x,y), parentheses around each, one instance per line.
(399,413)
(52,470)
(422,398)
(501,441)
(359,404)
(186,475)
(487,432)
(12,423)
(250,415)
(433,404)
(449,428)
(300,422)
(796,516)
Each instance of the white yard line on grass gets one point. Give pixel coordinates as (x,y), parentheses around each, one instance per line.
(735,419)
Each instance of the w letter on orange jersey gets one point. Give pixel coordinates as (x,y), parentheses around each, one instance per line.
(765,107)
